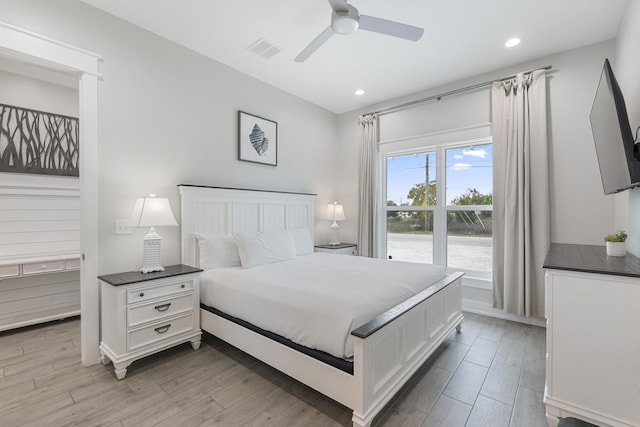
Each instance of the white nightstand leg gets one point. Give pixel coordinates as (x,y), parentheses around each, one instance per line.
(121,369)
(104,359)
(195,344)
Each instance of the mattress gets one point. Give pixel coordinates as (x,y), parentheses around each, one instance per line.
(316,300)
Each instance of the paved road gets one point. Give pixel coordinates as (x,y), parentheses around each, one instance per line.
(462,251)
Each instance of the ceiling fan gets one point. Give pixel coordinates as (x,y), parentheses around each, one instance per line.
(345,19)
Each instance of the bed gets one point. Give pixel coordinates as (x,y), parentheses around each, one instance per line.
(380,354)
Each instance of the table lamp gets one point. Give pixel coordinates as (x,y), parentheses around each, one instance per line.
(152,212)
(335,213)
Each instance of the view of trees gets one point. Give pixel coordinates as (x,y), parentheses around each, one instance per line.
(477,223)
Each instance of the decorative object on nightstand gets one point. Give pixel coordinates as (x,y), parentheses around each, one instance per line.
(152,212)
(143,314)
(339,249)
(335,213)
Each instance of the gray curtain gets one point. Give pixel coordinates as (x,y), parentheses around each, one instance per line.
(368,179)
(521,232)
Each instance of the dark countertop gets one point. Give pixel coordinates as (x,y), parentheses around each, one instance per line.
(129,277)
(590,259)
(338,246)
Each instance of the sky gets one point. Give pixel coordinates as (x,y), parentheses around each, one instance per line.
(467,167)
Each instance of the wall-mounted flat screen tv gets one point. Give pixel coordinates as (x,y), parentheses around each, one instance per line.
(617,153)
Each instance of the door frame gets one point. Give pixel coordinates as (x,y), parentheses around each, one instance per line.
(22,45)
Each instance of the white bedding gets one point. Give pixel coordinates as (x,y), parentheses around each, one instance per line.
(316,300)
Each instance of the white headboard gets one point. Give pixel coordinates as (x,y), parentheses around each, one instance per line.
(223,211)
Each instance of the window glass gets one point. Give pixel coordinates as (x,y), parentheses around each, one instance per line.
(410,236)
(469,173)
(407,178)
(469,239)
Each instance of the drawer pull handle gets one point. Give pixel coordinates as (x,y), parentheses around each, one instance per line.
(162,329)
(163,307)
(141,294)
(182,286)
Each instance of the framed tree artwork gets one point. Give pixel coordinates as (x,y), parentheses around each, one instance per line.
(38,142)
(257,139)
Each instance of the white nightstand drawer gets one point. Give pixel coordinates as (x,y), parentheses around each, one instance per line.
(42,267)
(159,331)
(150,292)
(9,270)
(137,315)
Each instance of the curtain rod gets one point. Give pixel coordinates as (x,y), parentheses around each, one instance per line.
(451,92)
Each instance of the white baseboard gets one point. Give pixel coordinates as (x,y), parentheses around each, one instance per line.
(479,307)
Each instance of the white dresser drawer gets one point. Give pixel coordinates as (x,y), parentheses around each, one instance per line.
(9,270)
(150,292)
(42,267)
(159,331)
(139,314)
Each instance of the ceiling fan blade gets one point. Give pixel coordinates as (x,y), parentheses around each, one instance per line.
(314,45)
(390,28)
(337,5)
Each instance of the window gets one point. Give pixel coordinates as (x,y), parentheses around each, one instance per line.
(469,189)
(411,200)
(439,206)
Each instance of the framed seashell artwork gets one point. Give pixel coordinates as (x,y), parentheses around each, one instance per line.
(257,139)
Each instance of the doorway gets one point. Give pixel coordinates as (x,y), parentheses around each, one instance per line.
(20,45)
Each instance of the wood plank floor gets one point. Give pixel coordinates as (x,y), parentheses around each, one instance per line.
(490,374)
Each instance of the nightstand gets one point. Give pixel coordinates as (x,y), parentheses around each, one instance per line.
(143,314)
(341,249)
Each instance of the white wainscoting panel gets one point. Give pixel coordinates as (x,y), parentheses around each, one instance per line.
(39,249)
(39,218)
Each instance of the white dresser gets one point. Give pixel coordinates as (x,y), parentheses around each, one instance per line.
(39,289)
(593,336)
(143,314)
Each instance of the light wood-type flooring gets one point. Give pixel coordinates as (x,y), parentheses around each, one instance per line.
(491,374)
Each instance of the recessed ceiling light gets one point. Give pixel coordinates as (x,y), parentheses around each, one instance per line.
(359,92)
(512,42)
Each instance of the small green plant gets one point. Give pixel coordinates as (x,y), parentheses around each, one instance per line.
(620,236)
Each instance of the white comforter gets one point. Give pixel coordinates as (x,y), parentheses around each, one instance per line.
(316,300)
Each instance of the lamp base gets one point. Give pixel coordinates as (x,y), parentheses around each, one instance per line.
(145,270)
(151,252)
(335,234)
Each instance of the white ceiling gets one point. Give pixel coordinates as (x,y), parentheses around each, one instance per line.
(462,38)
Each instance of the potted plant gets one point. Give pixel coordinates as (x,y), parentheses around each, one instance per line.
(615,243)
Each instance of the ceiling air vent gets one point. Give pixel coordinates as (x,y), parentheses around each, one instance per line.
(264,48)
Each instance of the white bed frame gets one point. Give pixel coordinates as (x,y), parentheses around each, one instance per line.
(387,350)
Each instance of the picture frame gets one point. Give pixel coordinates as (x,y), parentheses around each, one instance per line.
(257,139)
(38,142)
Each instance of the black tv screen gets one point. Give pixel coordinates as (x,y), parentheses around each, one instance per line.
(613,137)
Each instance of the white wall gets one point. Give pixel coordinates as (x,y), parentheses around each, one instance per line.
(580,213)
(35,88)
(167,116)
(36,94)
(627,69)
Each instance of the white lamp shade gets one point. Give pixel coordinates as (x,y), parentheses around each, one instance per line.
(152,212)
(335,212)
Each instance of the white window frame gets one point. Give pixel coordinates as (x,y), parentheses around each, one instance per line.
(427,144)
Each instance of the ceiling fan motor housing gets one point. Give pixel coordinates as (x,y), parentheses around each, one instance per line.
(345,21)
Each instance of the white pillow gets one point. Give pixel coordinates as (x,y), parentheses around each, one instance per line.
(217,251)
(302,240)
(264,247)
